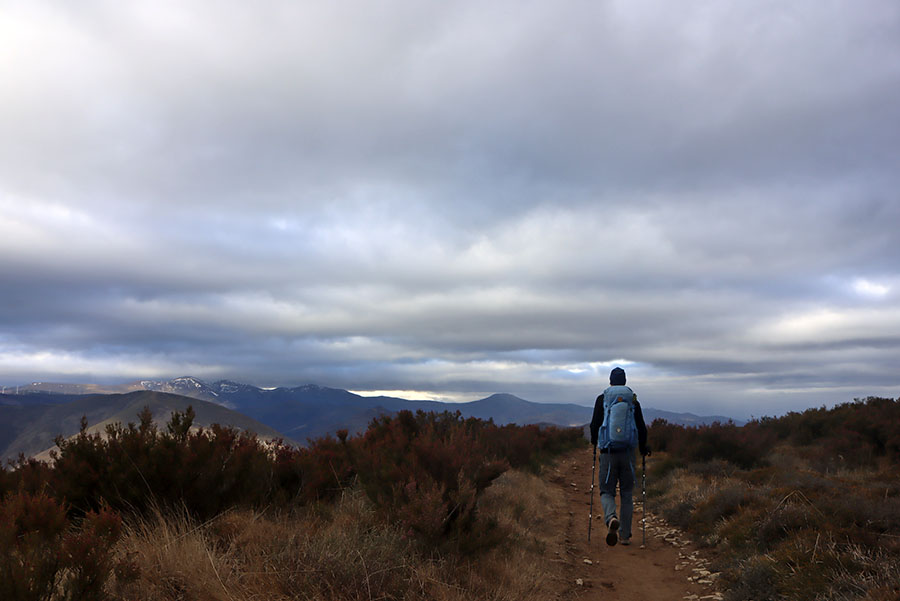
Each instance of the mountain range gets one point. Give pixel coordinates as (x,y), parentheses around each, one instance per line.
(31,422)
(32,418)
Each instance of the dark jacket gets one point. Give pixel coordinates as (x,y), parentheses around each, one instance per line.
(597,421)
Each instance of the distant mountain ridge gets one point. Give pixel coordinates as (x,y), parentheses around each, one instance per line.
(304,412)
(236,395)
(30,428)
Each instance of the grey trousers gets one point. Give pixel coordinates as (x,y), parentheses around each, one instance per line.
(617,468)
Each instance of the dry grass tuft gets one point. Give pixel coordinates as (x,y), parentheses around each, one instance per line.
(178,559)
(520,503)
(343,552)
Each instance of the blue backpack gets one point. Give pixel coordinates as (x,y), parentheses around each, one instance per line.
(618,432)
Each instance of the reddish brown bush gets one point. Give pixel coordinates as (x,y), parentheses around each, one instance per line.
(326,466)
(854,433)
(136,467)
(42,556)
(87,553)
(31,528)
(746,446)
(425,471)
(850,435)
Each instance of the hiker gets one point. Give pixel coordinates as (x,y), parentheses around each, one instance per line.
(619,425)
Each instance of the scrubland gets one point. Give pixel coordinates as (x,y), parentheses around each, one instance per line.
(422,506)
(805,507)
(434,506)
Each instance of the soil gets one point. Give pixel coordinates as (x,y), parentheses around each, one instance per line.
(667,567)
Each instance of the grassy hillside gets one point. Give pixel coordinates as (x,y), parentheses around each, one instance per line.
(805,507)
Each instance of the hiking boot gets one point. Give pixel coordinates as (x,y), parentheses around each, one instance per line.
(612,537)
(625,541)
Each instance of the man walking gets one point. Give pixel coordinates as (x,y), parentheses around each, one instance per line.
(618,427)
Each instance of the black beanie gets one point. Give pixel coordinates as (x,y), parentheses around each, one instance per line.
(617,377)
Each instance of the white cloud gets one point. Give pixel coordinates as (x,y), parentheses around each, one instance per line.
(870,289)
(414,395)
(832,325)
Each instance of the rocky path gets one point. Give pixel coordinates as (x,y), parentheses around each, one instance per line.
(668,568)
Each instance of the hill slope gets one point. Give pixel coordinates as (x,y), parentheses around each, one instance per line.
(38,425)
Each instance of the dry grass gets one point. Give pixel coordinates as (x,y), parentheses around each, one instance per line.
(343,551)
(518,570)
(178,558)
(789,531)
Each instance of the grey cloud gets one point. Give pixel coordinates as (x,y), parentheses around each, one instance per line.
(460,197)
(422,103)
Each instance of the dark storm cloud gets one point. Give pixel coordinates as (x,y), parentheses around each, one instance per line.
(456,198)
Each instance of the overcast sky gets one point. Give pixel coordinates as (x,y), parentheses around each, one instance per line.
(453,199)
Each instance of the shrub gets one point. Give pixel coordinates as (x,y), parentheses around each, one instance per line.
(31,528)
(220,468)
(724,502)
(88,555)
(427,470)
(6,481)
(849,435)
(660,467)
(756,579)
(746,446)
(858,432)
(136,467)
(42,556)
(28,475)
(739,533)
(786,519)
(326,467)
(530,446)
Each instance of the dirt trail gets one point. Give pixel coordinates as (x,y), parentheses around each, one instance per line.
(658,572)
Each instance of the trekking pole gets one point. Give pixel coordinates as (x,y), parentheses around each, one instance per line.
(643,501)
(591,511)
